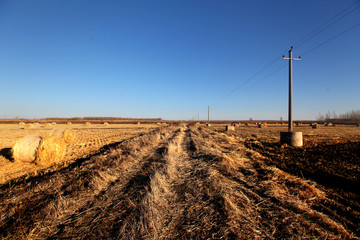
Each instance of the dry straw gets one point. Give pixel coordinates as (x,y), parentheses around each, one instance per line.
(52,149)
(88,123)
(44,151)
(25,149)
(27,126)
(68,135)
(106,124)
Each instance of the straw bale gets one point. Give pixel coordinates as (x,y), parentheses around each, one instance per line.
(21,123)
(106,124)
(88,123)
(36,124)
(229,128)
(27,126)
(47,125)
(69,123)
(52,149)
(69,136)
(25,149)
(53,123)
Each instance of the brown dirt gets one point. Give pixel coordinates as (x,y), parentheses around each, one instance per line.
(189,183)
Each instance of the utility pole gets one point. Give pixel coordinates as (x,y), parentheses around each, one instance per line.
(208,114)
(290,127)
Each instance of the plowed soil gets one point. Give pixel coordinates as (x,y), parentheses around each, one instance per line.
(192,183)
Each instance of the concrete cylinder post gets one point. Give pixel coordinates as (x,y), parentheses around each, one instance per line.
(294,139)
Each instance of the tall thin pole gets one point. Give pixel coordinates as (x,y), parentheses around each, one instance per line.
(208,114)
(290,91)
(290,124)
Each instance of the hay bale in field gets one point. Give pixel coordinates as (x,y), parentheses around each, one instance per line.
(106,124)
(47,125)
(28,126)
(53,123)
(21,123)
(262,125)
(88,123)
(138,123)
(36,124)
(51,149)
(69,123)
(25,149)
(229,128)
(69,136)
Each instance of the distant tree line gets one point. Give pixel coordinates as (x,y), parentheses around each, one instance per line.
(101,118)
(353,115)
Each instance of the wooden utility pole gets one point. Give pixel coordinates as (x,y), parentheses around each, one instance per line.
(290,127)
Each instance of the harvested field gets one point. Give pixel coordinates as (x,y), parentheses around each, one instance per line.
(193,182)
(87,142)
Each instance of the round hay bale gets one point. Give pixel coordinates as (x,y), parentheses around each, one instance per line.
(52,149)
(25,149)
(47,125)
(27,126)
(21,123)
(36,124)
(106,124)
(53,123)
(88,124)
(69,123)
(69,136)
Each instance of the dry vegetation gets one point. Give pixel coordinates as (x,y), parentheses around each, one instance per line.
(189,182)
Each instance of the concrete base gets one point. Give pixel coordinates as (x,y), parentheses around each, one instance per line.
(294,139)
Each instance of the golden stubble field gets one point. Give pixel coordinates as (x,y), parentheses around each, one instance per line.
(193,182)
(89,139)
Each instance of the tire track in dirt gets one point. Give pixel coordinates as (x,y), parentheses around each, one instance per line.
(32,209)
(283,202)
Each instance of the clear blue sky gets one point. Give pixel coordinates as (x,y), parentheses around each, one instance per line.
(171,59)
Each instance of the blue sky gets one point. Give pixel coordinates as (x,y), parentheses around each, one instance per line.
(172,59)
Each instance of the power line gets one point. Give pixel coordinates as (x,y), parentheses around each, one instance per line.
(332,38)
(232,92)
(326,25)
(309,36)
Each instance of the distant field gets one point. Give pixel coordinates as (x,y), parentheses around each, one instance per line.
(186,181)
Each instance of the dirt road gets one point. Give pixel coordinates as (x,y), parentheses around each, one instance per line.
(173,183)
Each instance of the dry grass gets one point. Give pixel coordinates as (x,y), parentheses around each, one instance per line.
(173,183)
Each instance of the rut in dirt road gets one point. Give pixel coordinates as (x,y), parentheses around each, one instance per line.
(175,183)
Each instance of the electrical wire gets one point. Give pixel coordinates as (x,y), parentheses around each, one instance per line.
(305,39)
(330,39)
(326,25)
